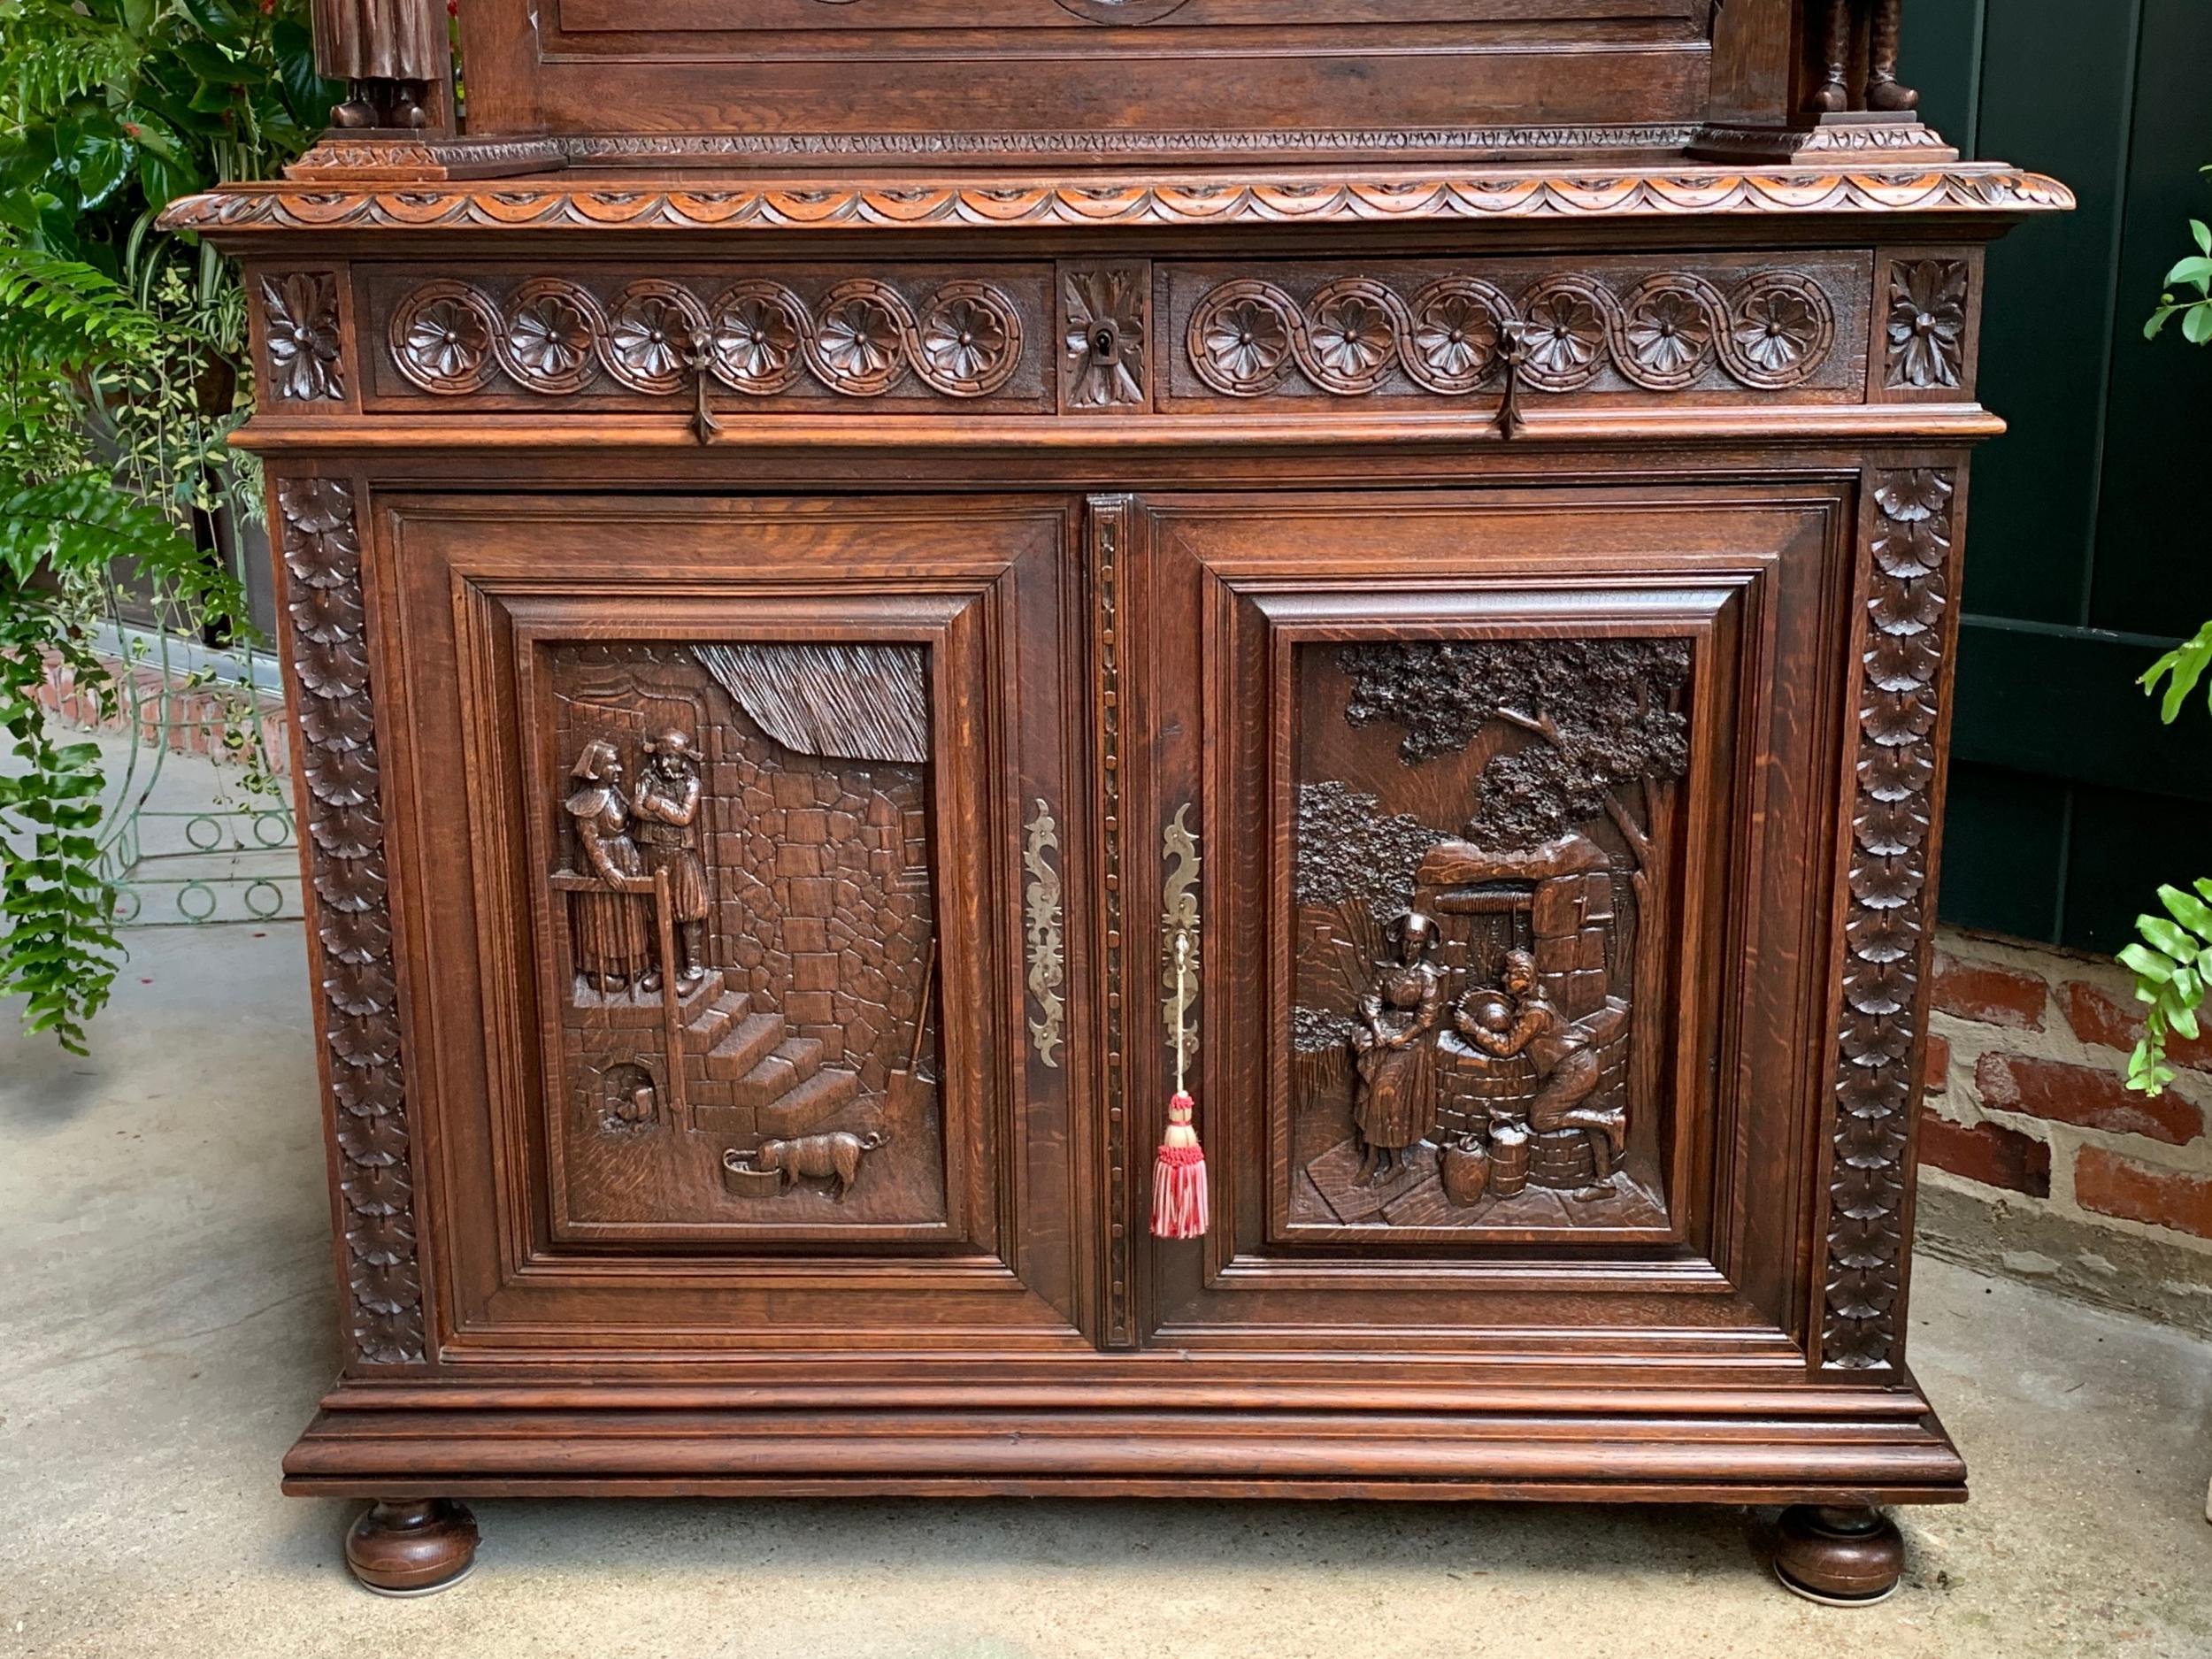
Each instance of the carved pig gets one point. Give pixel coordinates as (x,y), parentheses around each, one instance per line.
(834,1157)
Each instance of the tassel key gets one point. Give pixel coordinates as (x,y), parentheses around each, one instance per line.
(1178,1176)
(1179,1173)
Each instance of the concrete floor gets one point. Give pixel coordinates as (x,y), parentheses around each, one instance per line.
(168,1319)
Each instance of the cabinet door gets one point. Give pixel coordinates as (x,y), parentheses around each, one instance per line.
(733,871)
(1502,826)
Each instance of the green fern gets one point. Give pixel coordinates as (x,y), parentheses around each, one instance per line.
(110,334)
(2172,963)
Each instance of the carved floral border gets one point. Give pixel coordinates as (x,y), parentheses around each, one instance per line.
(1885,920)
(860,338)
(340,776)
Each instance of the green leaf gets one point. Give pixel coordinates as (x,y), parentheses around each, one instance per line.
(2154,968)
(2197,269)
(2165,936)
(2182,668)
(98,162)
(2202,232)
(2196,324)
(2188,911)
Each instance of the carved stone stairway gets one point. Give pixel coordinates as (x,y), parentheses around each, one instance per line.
(747,1076)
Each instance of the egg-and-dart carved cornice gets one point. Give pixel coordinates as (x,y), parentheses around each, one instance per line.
(1628,194)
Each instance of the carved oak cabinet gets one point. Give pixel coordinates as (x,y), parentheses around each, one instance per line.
(868,586)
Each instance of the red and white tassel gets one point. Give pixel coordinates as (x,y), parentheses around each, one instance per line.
(1178,1176)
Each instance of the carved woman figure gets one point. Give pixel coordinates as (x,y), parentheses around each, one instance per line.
(1839,28)
(612,939)
(1396,1109)
(666,806)
(1566,1063)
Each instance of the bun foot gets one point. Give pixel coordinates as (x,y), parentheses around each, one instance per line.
(1841,1557)
(416,1546)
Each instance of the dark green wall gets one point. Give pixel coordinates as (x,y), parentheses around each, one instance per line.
(2088,551)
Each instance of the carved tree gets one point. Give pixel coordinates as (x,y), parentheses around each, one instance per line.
(1603,726)
(1601,713)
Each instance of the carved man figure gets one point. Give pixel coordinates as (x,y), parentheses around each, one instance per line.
(1395,1109)
(609,922)
(667,808)
(1838,27)
(389,50)
(1567,1064)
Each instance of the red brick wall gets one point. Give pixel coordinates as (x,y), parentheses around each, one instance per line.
(189,718)
(2026,1056)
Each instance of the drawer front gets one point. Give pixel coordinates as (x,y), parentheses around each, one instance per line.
(1102,340)
(1599,330)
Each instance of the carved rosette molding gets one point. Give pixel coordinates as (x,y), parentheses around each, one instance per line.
(340,774)
(1926,333)
(1965,188)
(1042,922)
(1885,924)
(301,337)
(442,338)
(861,338)
(1772,330)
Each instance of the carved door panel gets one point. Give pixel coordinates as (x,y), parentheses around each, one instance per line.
(1503,812)
(738,827)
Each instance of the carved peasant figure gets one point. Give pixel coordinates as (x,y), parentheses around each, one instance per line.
(1396,1105)
(401,43)
(666,806)
(1838,30)
(611,922)
(1567,1064)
